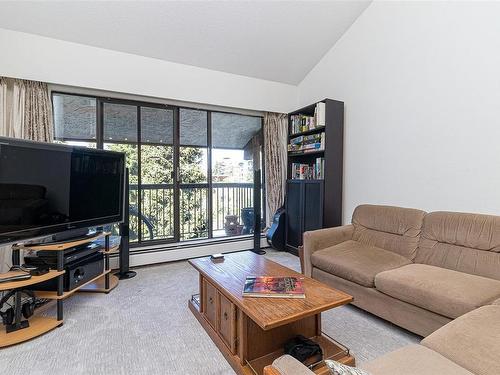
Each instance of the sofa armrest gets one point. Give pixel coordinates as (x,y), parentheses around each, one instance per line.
(287,365)
(321,239)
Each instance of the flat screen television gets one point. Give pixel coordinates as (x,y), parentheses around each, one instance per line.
(48,188)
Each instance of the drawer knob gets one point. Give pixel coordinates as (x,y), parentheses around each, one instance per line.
(211,300)
(225,315)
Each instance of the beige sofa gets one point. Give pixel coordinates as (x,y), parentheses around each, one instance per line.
(469,345)
(418,270)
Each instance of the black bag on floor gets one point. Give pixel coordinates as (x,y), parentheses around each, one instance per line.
(302,349)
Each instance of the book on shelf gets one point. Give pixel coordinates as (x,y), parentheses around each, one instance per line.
(313,142)
(303,123)
(309,171)
(320,114)
(273,287)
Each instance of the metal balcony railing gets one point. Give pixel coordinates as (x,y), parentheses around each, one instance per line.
(156,215)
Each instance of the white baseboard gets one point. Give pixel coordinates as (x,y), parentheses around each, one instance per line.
(175,253)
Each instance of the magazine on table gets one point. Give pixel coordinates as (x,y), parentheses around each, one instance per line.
(274,287)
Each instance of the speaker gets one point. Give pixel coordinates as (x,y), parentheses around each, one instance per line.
(125,272)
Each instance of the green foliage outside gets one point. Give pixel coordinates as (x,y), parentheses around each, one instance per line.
(158,204)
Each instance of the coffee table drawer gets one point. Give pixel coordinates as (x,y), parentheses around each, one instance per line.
(210,303)
(227,322)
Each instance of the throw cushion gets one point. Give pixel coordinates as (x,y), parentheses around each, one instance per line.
(337,368)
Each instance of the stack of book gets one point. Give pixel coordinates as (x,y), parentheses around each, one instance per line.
(309,172)
(303,123)
(308,143)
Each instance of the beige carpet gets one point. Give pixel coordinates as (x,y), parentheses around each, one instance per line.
(145,327)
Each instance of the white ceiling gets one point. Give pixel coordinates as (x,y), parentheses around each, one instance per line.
(274,40)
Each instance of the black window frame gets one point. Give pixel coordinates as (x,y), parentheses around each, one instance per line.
(99,141)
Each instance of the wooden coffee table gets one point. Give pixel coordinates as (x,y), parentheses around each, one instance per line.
(251,332)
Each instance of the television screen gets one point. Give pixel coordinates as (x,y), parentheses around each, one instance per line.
(49,188)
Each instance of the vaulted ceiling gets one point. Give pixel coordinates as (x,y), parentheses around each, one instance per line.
(273,40)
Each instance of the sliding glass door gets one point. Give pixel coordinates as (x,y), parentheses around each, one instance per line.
(193,174)
(145,134)
(190,170)
(119,133)
(236,142)
(157,203)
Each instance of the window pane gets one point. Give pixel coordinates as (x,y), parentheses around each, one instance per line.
(233,131)
(120,122)
(131,160)
(74,117)
(157,189)
(236,146)
(193,166)
(193,212)
(157,125)
(193,125)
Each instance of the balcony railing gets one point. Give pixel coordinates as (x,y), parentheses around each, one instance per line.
(157,209)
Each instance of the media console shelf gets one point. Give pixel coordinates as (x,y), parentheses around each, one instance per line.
(38,324)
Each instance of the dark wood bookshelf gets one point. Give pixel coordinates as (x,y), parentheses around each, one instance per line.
(316,203)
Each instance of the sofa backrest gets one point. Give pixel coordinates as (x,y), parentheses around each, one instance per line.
(396,229)
(462,242)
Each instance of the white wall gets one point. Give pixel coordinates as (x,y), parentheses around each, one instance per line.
(39,58)
(421,83)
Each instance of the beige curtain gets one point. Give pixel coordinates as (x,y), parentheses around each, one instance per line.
(3,107)
(38,113)
(275,141)
(25,112)
(18,100)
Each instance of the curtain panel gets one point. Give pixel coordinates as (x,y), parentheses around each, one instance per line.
(15,128)
(3,107)
(25,112)
(38,125)
(275,152)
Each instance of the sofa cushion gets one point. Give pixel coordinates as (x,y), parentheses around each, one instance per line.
(446,292)
(356,262)
(472,341)
(462,242)
(414,360)
(391,228)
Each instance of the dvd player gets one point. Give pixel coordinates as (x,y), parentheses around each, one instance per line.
(77,273)
(74,254)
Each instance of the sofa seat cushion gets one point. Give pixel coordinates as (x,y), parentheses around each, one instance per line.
(414,360)
(353,261)
(440,290)
(472,341)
